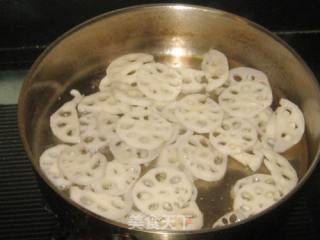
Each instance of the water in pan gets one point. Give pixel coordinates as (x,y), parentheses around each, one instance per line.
(214,198)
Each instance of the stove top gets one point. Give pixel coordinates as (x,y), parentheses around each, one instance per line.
(25,215)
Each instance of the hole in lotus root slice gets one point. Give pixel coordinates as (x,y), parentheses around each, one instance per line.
(127,154)
(144,129)
(242,74)
(202,160)
(252,158)
(130,95)
(102,102)
(167,189)
(255,197)
(49,166)
(229,218)
(107,206)
(159,81)
(124,68)
(80,166)
(199,113)
(118,179)
(286,127)
(258,177)
(216,68)
(64,122)
(192,80)
(281,170)
(246,99)
(96,130)
(235,135)
(104,84)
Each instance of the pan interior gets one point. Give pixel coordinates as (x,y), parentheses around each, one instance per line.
(179,36)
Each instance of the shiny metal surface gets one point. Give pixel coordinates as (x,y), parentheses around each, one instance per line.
(178,34)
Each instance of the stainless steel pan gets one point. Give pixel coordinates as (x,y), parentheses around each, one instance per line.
(179,34)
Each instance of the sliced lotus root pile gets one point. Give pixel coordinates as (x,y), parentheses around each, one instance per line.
(235,135)
(159,81)
(124,68)
(199,113)
(286,127)
(229,218)
(64,122)
(246,99)
(216,68)
(118,179)
(127,154)
(192,80)
(256,197)
(281,170)
(80,166)
(203,161)
(144,129)
(96,130)
(242,74)
(165,122)
(108,206)
(161,191)
(102,102)
(49,165)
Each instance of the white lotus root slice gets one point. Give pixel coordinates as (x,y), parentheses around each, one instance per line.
(203,161)
(104,84)
(179,133)
(102,102)
(229,218)
(130,94)
(199,113)
(161,191)
(118,179)
(169,157)
(127,154)
(286,127)
(262,119)
(252,158)
(235,135)
(159,81)
(107,206)
(80,166)
(258,177)
(216,68)
(96,130)
(246,99)
(242,74)
(281,170)
(64,122)
(255,197)
(192,80)
(187,218)
(124,68)
(144,129)
(168,112)
(49,166)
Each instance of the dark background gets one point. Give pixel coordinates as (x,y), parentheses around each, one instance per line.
(28,26)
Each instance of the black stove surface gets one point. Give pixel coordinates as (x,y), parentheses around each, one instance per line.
(25,215)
